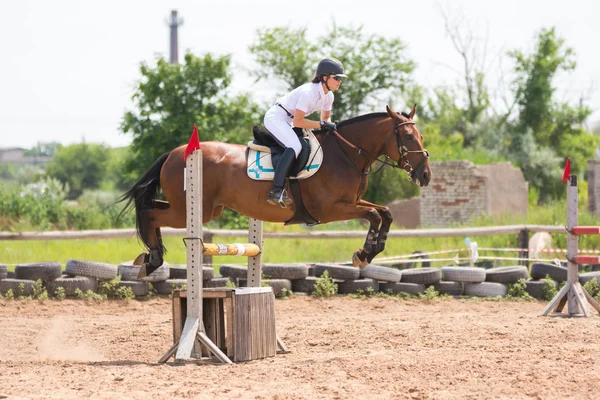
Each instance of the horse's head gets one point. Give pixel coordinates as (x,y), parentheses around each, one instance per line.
(406,147)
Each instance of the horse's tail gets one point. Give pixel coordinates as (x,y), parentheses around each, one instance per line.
(141,195)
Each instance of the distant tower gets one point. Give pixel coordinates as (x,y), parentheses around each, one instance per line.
(173,24)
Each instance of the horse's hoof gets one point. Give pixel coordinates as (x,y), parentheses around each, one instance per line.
(142,273)
(141,259)
(357,262)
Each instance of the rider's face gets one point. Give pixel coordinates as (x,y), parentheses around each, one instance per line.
(334,82)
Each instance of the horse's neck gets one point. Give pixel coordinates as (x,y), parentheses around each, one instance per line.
(369,136)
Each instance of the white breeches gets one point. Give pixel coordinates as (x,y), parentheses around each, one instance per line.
(280,125)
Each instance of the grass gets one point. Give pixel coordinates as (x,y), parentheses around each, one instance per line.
(295,250)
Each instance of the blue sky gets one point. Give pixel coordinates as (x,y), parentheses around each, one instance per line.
(69,67)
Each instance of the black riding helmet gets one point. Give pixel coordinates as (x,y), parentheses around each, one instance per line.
(330,66)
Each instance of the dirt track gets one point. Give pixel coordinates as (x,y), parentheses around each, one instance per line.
(341,348)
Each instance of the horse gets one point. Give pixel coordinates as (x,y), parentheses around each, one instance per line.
(333,193)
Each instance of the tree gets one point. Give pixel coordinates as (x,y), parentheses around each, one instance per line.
(169,99)
(81,166)
(556,128)
(46,149)
(375,65)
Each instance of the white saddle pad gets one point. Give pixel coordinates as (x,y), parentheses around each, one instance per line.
(260,167)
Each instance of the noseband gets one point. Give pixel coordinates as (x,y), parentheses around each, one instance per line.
(403,150)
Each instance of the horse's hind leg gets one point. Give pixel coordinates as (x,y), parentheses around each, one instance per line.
(386,222)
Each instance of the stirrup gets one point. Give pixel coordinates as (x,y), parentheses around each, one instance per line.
(283,201)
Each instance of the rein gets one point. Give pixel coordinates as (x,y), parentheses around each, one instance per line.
(402,150)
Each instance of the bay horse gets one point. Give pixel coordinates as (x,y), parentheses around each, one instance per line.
(333,193)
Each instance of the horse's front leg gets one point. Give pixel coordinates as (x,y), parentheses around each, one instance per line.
(386,218)
(347,211)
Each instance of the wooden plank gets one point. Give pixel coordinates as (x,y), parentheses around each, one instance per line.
(188,337)
(210,293)
(556,299)
(213,349)
(591,300)
(255,236)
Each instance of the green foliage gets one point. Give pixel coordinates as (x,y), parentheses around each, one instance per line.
(593,288)
(39,292)
(43,149)
(230,284)
(10,295)
(285,53)
(89,295)
(430,294)
(325,287)
(284,294)
(60,293)
(363,294)
(517,291)
(80,166)
(549,289)
(171,98)
(111,289)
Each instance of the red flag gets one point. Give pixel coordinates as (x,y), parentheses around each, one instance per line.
(567,171)
(194,143)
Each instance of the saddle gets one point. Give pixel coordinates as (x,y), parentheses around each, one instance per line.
(265,151)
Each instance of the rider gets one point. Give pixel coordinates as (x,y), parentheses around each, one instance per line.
(291,110)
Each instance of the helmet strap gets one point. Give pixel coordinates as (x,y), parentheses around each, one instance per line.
(325,82)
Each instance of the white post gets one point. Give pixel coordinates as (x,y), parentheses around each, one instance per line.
(572,243)
(255,236)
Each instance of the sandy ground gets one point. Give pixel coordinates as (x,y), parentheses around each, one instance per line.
(340,349)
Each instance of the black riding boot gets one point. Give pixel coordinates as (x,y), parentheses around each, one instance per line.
(278,194)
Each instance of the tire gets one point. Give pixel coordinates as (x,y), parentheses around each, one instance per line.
(383,274)
(3,271)
(351,286)
(337,271)
(71,284)
(10,283)
(485,289)
(424,276)
(463,274)
(588,276)
(506,274)
(217,282)
(540,270)
(233,271)
(402,287)
(167,287)
(139,288)
(449,288)
(100,271)
(128,271)
(278,284)
(160,274)
(46,271)
(534,288)
(179,271)
(285,271)
(306,285)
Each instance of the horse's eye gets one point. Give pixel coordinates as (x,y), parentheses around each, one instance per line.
(410,137)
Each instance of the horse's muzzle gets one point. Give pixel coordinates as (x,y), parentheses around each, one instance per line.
(421,175)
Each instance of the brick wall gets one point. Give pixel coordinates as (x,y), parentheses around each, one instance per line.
(457,192)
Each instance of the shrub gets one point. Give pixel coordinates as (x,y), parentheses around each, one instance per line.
(593,288)
(60,293)
(325,286)
(516,291)
(549,289)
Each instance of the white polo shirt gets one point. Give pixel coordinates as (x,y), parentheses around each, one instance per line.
(308,98)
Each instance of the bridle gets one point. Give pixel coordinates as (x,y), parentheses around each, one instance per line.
(402,150)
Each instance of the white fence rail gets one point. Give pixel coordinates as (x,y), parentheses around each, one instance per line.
(399,233)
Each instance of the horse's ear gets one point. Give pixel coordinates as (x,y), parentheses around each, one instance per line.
(392,113)
(413,111)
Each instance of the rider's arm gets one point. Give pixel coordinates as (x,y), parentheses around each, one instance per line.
(326,115)
(301,122)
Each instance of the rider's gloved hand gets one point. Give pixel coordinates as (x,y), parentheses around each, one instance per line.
(328,126)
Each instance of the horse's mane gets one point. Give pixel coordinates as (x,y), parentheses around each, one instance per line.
(362,118)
